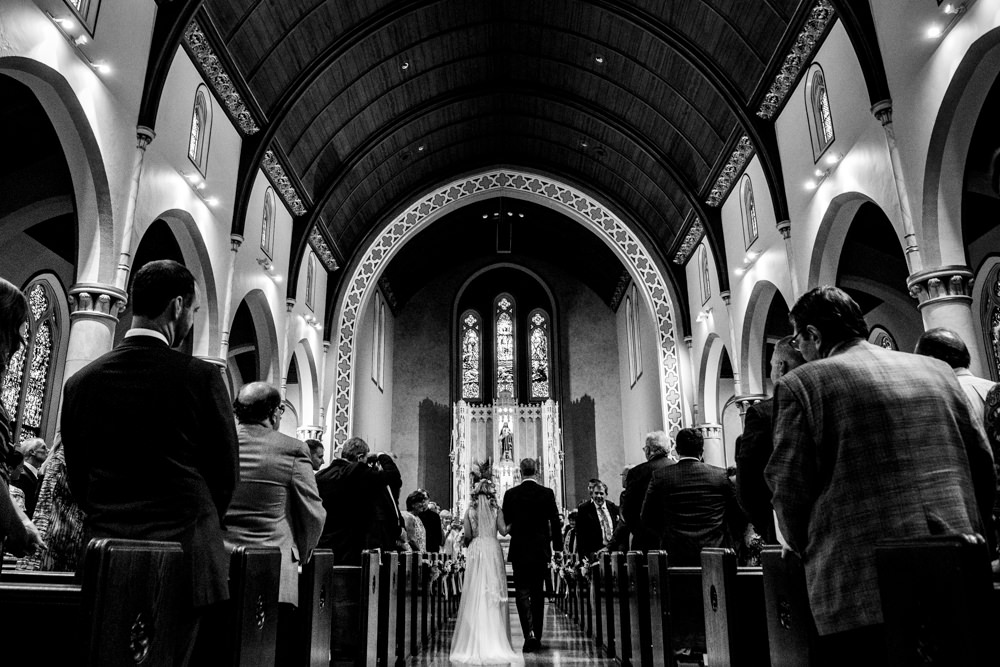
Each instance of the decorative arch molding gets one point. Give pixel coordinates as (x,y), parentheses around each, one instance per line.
(948,149)
(97,257)
(268,350)
(708,382)
(986,312)
(308,381)
(544,190)
(752,339)
(199,262)
(832,232)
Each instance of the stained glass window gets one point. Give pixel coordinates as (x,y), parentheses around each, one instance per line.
(538,352)
(703,275)
(86,11)
(267,223)
(472,362)
(504,311)
(201,129)
(310,281)
(29,371)
(378,341)
(990,317)
(749,213)
(818,111)
(632,334)
(826,119)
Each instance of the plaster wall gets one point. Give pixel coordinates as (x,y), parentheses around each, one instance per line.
(373,406)
(715,322)
(640,403)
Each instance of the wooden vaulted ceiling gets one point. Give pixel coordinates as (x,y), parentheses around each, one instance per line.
(371,102)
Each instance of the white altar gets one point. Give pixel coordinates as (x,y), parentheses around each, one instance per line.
(505,432)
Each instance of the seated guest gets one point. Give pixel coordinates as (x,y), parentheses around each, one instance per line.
(316,453)
(34,453)
(595,520)
(276,502)
(691,505)
(354,488)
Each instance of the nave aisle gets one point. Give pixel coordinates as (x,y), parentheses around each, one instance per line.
(564,643)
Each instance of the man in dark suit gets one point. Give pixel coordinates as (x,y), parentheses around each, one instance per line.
(181,466)
(691,505)
(754,447)
(359,493)
(34,452)
(869,444)
(533,521)
(657,450)
(595,521)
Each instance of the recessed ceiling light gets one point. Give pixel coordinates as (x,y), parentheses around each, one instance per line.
(102,67)
(405,65)
(599,58)
(584,143)
(421,147)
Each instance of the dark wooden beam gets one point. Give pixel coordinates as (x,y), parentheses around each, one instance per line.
(168,31)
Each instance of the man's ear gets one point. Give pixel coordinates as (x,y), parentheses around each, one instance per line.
(816,335)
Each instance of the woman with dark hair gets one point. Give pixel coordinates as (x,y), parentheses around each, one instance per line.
(17,533)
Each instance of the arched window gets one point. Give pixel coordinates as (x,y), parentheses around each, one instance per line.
(311,281)
(632,335)
(267,224)
(704,276)
(26,391)
(201,130)
(990,317)
(472,361)
(818,114)
(86,11)
(538,353)
(504,317)
(749,212)
(378,341)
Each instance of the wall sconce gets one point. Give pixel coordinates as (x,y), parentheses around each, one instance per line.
(704,315)
(66,27)
(313,322)
(268,267)
(953,13)
(197,184)
(823,169)
(748,261)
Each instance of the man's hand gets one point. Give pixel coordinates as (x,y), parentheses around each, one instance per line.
(33,542)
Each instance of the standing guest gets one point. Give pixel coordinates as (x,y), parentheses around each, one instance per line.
(176,481)
(620,535)
(58,517)
(416,534)
(453,541)
(691,505)
(595,521)
(316,453)
(569,533)
(357,496)
(869,444)
(276,502)
(657,450)
(34,453)
(17,533)
(432,525)
(754,447)
(948,346)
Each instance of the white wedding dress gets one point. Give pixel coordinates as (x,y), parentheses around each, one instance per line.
(482,627)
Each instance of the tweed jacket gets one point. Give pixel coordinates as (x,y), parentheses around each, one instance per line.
(276,503)
(589,537)
(753,450)
(691,505)
(636,485)
(871,444)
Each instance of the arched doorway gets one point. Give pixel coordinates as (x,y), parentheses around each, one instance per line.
(765,324)
(253,343)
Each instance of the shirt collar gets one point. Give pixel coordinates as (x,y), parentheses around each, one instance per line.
(30,467)
(963,372)
(139,331)
(688,458)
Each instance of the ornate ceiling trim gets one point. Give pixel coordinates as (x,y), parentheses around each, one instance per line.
(213,71)
(737,161)
(322,250)
(691,240)
(283,184)
(561,197)
(799,55)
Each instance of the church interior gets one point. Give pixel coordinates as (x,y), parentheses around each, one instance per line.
(494,230)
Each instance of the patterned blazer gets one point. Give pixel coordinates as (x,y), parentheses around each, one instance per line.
(871,444)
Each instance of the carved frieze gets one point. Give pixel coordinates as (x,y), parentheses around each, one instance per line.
(213,71)
(322,250)
(94,300)
(732,170)
(283,184)
(691,240)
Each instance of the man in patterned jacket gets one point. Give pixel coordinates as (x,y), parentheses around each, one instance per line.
(869,444)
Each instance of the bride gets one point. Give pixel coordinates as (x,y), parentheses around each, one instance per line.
(482,628)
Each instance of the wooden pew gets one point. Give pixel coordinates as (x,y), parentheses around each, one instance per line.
(353,639)
(622,594)
(125,610)
(597,603)
(735,630)
(639,609)
(609,597)
(936,601)
(316,608)
(791,633)
(391,610)
(423,597)
(413,602)
(254,578)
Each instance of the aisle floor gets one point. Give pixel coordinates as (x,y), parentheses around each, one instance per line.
(564,643)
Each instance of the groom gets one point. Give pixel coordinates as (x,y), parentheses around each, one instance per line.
(530,511)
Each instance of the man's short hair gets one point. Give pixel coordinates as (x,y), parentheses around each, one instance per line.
(690,442)
(784,351)
(597,483)
(833,312)
(528,467)
(29,446)
(354,448)
(156,283)
(256,402)
(944,344)
(658,442)
(314,445)
(415,498)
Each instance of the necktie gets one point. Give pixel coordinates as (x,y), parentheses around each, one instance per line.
(605,524)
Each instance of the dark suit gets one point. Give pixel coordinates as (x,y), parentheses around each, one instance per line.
(530,512)
(589,536)
(432,526)
(151,454)
(636,485)
(753,449)
(691,505)
(27,481)
(358,507)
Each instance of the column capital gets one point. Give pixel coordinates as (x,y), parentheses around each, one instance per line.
(726,296)
(689,341)
(785,229)
(144,136)
(746,400)
(96,300)
(709,430)
(235,241)
(882,110)
(310,432)
(944,283)
(289,304)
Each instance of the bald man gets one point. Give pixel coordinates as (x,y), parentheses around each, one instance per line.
(754,448)
(948,346)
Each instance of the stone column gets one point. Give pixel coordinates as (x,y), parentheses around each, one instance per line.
(144,136)
(745,401)
(883,112)
(309,432)
(284,353)
(944,296)
(94,310)
(785,229)
(235,241)
(689,341)
(715,448)
(322,382)
(734,344)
